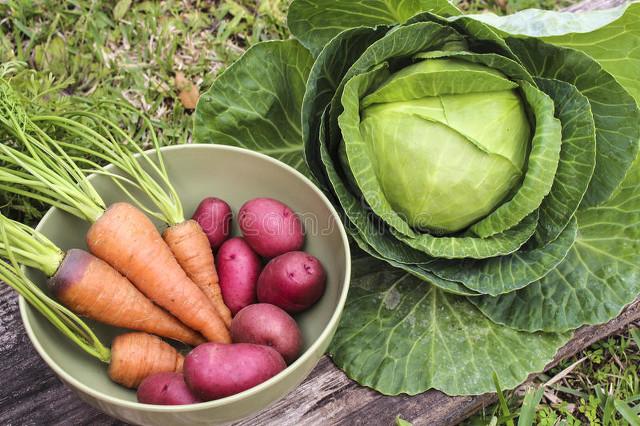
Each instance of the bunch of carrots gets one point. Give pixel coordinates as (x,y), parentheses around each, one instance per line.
(132,276)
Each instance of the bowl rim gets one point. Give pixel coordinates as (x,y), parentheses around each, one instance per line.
(249,392)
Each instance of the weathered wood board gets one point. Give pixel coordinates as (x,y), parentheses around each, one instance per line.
(30,394)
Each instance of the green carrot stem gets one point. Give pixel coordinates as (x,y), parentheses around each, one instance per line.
(157,187)
(30,247)
(44,199)
(48,165)
(118,181)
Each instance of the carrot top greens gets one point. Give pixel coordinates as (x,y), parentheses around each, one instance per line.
(48,167)
(41,170)
(29,247)
(99,137)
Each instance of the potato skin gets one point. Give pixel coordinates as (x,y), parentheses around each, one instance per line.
(166,389)
(215,370)
(270,227)
(238,270)
(293,281)
(265,324)
(214,216)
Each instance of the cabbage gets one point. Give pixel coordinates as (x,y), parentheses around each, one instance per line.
(445,157)
(485,167)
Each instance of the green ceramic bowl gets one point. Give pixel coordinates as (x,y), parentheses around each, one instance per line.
(235,175)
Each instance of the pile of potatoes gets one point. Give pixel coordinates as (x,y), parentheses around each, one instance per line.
(266,338)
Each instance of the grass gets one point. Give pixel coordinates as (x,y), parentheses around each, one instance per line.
(133,51)
(600,386)
(127,50)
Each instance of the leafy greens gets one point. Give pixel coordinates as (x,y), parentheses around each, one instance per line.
(398,108)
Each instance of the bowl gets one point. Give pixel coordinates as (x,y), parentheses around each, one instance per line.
(197,171)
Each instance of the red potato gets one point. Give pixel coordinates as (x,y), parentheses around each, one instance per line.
(238,269)
(265,324)
(215,371)
(166,389)
(214,216)
(270,227)
(293,281)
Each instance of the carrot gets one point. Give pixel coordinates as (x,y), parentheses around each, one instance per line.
(133,356)
(186,239)
(190,245)
(126,239)
(136,356)
(89,286)
(122,236)
(59,316)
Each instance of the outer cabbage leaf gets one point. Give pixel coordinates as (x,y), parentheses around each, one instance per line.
(616,47)
(256,103)
(405,336)
(577,158)
(328,69)
(597,279)
(504,274)
(611,37)
(482,38)
(458,247)
(615,112)
(415,270)
(315,22)
(547,23)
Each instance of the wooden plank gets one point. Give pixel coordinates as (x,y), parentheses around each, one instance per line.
(30,394)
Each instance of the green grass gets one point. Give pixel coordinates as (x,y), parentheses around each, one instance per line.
(132,51)
(129,51)
(600,386)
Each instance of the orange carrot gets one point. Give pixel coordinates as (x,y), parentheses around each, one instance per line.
(191,247)
(188,242)
(136,356)
(90,287)
(122,235)
(126,239)
(132,357)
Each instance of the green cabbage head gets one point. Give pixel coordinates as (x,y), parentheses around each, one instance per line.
(446,154)
(486,169)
